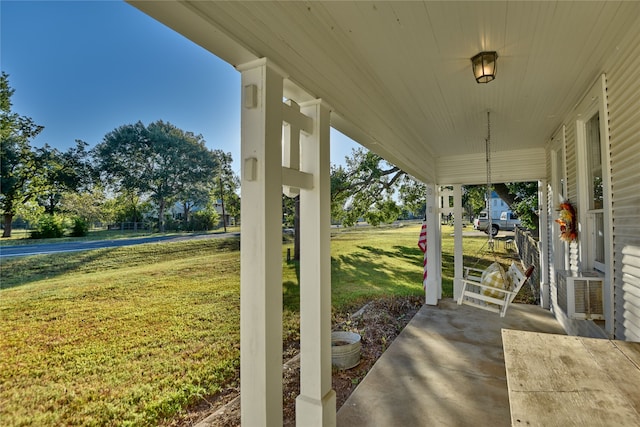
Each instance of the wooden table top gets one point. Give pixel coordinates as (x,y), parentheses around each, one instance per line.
(559,380)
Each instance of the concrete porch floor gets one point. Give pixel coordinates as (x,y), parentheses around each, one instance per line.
(446,368)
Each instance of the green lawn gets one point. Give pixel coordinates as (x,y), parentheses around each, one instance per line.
(129,336)
(22,237)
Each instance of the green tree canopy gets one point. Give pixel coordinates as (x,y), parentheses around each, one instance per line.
(227,185)
(18,161)
(365,188)
(521,197)
(88,205)
(159,160)
(62,172)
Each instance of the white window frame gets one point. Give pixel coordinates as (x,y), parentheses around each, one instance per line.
(595,102)
(592,212)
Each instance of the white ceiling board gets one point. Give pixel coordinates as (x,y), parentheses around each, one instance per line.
(398,74)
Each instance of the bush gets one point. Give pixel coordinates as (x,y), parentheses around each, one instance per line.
(49,226)
(204,220)
(80,227)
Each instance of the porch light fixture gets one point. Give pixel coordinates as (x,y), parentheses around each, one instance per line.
(484,66)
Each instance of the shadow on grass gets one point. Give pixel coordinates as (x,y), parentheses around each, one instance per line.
(291,289)
(398,252)
(375,272)
(21,271)
(369,272)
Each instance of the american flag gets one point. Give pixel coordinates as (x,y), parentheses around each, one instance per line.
(422,244)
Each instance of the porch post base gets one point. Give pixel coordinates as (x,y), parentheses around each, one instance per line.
(313,412)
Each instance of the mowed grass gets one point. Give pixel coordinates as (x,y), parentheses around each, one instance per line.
(120,339)
(131,336)
(22,237)
(376,262)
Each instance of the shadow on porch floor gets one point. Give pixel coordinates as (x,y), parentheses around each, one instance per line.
(446,368)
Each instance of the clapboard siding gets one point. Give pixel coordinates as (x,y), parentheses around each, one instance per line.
(628,316)
(623,94)
(571,159)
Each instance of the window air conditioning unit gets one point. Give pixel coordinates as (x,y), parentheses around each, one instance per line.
(580,294)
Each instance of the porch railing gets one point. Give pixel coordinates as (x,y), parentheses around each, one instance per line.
(529,253)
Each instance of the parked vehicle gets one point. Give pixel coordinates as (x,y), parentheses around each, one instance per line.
(482,216)
(508,221)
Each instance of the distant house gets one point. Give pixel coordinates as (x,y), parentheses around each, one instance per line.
(497,205)
(177,212)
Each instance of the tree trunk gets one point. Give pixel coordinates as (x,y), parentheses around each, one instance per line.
(185,215)
(8,219)
(503,191)
(161,216)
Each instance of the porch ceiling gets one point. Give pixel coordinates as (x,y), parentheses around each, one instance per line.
(398,74)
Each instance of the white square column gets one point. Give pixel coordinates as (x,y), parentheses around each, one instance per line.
(261,249)
(543,236)
(433,282)
(458,258)
(316,404)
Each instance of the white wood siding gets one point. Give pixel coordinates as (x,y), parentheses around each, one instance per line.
(506,166)
(623,93)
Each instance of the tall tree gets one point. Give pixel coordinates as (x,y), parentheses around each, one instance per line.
(160,160)
(18,161)
(127,206)
(412,194)
(207,218)
(227,185)
(88,205)
(195,196)
(62,172)
(524,202)
(473,197)
(365,188)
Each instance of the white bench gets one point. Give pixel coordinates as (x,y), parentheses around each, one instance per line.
(492,298)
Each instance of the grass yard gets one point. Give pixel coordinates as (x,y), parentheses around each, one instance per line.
(118,337)
(22,237)
(132,335)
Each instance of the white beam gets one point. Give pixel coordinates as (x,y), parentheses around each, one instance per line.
(316,404)
(291,114)
(290,146)
(261,251)
(296,179)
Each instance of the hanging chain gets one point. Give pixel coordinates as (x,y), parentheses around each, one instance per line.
(489,185)
(489,242)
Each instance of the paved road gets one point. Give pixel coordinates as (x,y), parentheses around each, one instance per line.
(52,248)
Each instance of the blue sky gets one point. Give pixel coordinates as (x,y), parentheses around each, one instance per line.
(84,68)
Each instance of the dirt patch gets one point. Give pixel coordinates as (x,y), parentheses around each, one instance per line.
(378,322)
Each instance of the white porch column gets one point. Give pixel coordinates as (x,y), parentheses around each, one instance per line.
(543,244)
(261,250)
(316,404)
(458,258)
(433,282)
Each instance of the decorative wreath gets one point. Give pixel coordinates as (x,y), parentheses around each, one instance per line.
(567,222)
